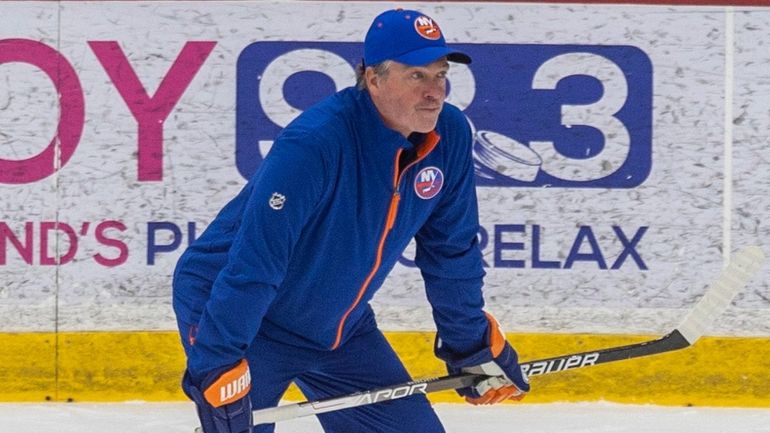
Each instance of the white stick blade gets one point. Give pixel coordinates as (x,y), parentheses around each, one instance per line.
(743,266)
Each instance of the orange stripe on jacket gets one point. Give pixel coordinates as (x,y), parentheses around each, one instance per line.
(390,219)
(431,140)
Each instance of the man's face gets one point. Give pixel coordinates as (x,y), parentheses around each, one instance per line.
(409,98)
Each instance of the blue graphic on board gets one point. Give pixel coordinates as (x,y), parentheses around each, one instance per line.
(576,116)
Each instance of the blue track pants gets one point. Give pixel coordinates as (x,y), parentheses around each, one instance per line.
(365,361)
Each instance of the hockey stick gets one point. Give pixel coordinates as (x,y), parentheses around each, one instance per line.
(743,265)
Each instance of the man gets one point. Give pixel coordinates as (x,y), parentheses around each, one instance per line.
(276,289)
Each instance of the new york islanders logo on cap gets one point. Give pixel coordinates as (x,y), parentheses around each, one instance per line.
(428,182)
(427,28)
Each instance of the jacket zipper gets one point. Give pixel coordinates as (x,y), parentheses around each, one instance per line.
(430,143)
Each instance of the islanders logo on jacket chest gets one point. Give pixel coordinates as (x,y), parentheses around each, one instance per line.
(428,182)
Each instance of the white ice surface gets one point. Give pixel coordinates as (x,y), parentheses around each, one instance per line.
(458,418)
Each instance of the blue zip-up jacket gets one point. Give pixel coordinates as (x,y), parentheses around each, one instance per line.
(299,252)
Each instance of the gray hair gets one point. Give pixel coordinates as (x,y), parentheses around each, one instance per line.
(379,69)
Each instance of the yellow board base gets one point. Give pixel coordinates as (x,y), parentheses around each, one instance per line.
(119,366)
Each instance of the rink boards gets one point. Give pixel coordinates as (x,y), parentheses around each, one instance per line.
(118,366)
(620,151)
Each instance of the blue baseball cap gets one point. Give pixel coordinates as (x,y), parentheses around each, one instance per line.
(408,37)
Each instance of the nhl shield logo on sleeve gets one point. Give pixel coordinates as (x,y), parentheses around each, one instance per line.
(428,182)
(277,200)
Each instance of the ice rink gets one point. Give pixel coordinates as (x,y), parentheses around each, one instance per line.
(142,417)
